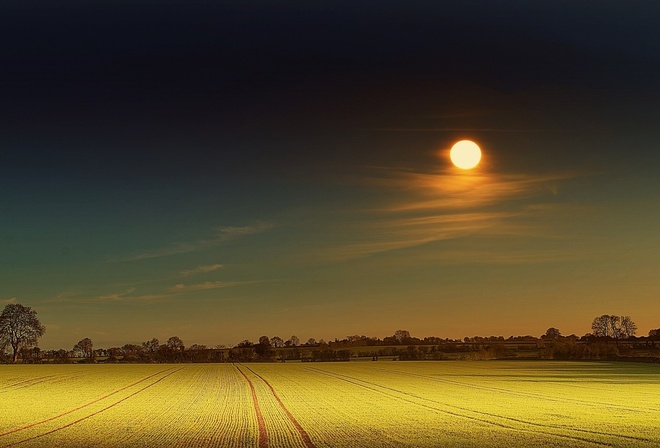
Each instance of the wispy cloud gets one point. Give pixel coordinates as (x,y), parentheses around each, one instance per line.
(227,233)
(454,190)
(201,269)
(8,301)
(222,234)
(114,297)
(181,287)
(138,295)
(451,204)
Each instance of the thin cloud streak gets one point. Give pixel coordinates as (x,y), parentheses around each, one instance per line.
(403,234)
(157,296)
(449,205)
(447,190)
(114,297)
(511,257)
(229,232)
(181,287)
(201,269)
(223,234)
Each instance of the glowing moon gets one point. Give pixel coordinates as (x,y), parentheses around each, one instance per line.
(465,154)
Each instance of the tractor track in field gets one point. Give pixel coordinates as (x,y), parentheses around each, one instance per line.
(169,371)
(303,434)
(482,416)
(518,393)
(263,431)
(21,428)
(37,380)
(525,395)
(27,383)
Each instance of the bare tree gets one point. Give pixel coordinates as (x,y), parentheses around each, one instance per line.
(599,326)
(175,344)
(357,339)
(85,347)
(628,327)
(130,350)
(606,326)
(401,335)
(552,333)
(114,353)
(276,342)
(151,346)
(615,327)
(19,327)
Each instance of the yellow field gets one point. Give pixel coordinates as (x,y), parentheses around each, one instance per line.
(357,404)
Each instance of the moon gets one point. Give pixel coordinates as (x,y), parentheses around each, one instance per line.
(465,154)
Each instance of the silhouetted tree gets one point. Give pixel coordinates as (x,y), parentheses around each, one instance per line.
(401,335)
(85,348)
(30,355)
(264,340)
(615,327)
(295,341)
(130,350)
(604,326)
(60,356)
(242,353)
(151,346)
(310,342)
(552,333)
(567,348)
(277,342)
(628,327)
(113,354)
(19,327)
(263,349)
(175,344)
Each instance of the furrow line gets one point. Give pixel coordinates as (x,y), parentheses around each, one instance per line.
(21,428)
(586,431)
(378,388)
(263,432)
(97,412)
(303,434)
(511,392)
(38,380)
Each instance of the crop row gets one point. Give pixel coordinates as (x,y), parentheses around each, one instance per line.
(384,404)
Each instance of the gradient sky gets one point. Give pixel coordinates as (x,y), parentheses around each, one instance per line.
(221,170)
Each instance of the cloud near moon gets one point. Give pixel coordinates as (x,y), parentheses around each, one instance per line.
(446,205)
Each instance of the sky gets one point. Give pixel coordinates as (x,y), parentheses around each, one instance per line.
(222,170)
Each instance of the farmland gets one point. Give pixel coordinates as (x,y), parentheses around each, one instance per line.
(354,404)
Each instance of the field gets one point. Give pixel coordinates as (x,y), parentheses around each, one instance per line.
(355,404)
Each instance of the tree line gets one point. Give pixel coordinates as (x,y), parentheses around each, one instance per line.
(20,330)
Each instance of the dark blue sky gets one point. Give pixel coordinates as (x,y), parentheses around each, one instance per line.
(252,163)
